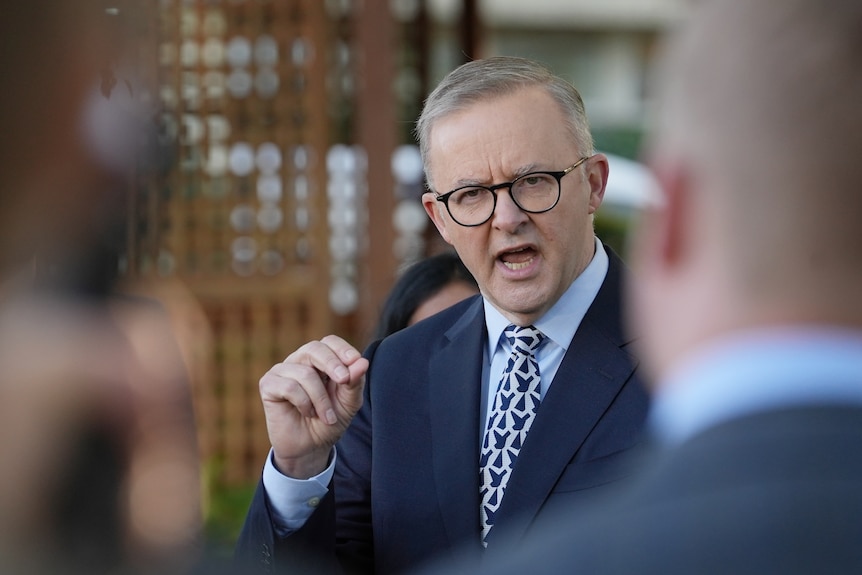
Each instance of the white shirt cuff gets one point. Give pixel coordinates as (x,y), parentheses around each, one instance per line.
(292,501)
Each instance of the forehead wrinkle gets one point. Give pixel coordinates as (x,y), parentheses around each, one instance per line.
(471,147)
(512,175)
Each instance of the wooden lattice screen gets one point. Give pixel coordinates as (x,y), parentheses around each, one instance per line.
(273,212)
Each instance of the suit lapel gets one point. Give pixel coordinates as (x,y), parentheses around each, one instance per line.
(592,372)
(454,394)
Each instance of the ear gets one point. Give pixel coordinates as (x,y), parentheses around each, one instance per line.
(597,177)
(665,226)
(435,210)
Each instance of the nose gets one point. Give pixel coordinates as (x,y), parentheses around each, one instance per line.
(507,215)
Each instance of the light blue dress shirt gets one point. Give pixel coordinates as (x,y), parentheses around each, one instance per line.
(292,501)
(756,371)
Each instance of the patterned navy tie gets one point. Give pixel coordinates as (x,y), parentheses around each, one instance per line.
(515,403)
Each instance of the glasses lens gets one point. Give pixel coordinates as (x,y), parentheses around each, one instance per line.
(471,206)
(536,192)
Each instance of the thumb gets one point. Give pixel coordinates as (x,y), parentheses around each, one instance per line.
(357,371)
(350,393)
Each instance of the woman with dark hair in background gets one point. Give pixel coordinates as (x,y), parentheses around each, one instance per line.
(426,287)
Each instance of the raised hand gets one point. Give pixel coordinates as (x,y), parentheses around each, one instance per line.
(309,400)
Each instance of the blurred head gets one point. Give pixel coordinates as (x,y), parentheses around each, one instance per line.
(60,128)
(426,287)
(490,122)
(99,462)
(756,148)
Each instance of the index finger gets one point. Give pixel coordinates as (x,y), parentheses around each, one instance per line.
(331,356)
(346,352)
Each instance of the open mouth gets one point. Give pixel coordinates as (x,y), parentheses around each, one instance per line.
(518,259)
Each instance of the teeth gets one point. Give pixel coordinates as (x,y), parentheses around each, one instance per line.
(518,266)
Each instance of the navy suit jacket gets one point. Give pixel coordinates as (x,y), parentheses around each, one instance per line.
(406,485)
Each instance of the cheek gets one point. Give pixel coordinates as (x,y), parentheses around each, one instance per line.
(567,230)
(471,247)
(443,228)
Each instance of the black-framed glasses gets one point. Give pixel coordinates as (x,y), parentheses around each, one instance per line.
(534,193)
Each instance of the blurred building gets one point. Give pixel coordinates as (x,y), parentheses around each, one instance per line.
(606,48)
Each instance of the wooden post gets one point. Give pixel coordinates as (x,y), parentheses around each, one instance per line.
(376,133)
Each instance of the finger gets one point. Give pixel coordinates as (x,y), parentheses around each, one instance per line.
(301,386)
(325,356)
(349,395)
(346,352)
(357,371)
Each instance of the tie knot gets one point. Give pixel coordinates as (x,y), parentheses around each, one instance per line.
(524,339)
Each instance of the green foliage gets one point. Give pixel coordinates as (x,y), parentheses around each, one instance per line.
(613,231)
(624,142)
(224,509)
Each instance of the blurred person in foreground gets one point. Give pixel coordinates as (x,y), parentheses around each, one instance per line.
(427,286)
(471,424)
(749,297)
(98,461)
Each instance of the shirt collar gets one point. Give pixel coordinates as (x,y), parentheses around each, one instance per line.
(754,371)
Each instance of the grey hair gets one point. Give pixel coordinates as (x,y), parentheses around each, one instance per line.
(498,76)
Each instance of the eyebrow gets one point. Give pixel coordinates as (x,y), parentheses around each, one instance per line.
(523,170)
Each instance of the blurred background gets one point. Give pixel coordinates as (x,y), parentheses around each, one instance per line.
(277,198)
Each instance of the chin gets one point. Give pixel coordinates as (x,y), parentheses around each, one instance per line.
(525,306)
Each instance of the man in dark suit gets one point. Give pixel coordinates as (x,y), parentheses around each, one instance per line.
(446,440)
(749,283)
